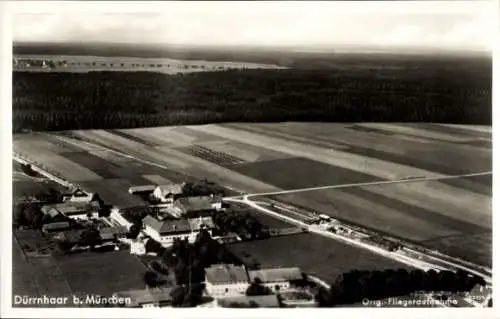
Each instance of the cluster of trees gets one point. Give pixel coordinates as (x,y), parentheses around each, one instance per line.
(202,188)
(353,286)
(187,262)
(29,215)
(59,101)
(87,237)
(239,222)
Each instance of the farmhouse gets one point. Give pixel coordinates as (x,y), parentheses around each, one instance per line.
(75,210)
(168,193)
(145,298)
(166,231)
(80,196)
(226,280)
(198,204)
(57,226)
(277,279)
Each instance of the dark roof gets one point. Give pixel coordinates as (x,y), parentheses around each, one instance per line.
(167,226)
(56,226)
(71,207)
(276,274)
(197,203)
(226,273)
(145,296)
(266,301)
(110,232)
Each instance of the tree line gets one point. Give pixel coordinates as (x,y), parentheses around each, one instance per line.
(60,101)
(354,286)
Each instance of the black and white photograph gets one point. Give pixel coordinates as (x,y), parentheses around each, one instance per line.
(238,155)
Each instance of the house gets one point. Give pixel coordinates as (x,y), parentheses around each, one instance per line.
(75,210)
(267,301)
(80,196)
(168,193)
(277,279)
(142,189)
(198,204)
(112,233)
(145,298)
(57,226)
(226,280)
(166,231)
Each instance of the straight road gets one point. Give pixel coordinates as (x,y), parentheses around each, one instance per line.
(437,177)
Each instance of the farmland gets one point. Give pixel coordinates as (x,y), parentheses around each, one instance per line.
(85,273)
(315,255)
(452,215)
(80,63)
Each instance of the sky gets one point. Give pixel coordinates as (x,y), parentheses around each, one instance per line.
(447,25)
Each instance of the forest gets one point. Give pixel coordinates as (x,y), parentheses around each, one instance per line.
(107,100)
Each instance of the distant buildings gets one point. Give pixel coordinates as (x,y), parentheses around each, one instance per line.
(75,210)
(226,280)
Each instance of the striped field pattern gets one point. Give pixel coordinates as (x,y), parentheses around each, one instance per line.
(452,215)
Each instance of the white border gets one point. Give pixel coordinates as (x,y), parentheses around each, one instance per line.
(6,11)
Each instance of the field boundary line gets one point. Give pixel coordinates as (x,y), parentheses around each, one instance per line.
(398,181)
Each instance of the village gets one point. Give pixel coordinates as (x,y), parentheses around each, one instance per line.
(179,235)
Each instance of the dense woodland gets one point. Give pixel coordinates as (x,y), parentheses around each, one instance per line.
(62,101)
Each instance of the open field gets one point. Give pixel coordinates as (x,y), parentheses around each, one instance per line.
(314,254)
(84,273)
(451,215)
(76,63)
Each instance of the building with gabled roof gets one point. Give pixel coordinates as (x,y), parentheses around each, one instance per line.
(75,210)
(57,226)
(165,231)
(168,193)
(226,280)
(276,278)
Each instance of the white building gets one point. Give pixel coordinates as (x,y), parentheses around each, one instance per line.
(141,189)
(277,279)
(168,193)
(226,280)
(165,231)
(118,217)
(80,196)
